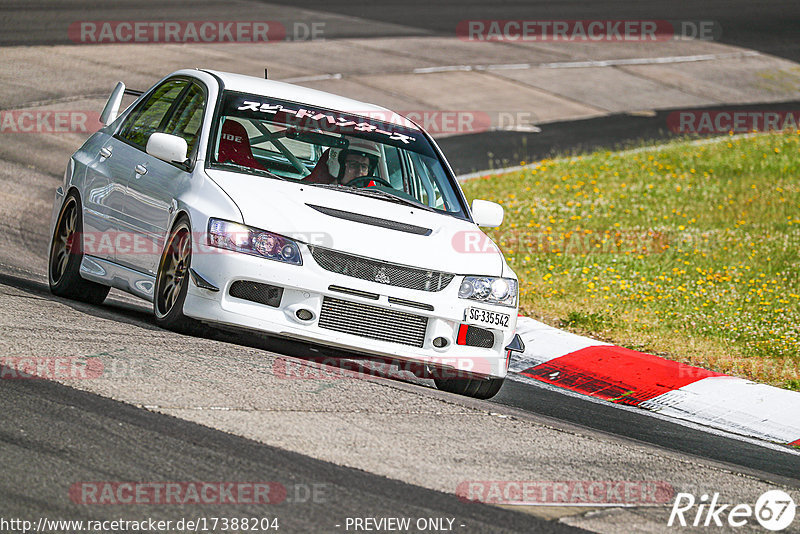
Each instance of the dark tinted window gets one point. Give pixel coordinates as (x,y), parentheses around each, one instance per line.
(188,117)
(147,118)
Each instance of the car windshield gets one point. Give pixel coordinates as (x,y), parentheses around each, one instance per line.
(387,159)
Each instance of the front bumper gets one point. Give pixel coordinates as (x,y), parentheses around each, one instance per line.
(308,286)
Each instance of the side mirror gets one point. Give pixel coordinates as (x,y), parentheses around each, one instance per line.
(169,148)
(485,213)
(109,113)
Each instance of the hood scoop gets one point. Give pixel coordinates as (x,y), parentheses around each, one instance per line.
(373,221)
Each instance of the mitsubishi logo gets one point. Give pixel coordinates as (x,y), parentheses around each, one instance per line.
(381,277)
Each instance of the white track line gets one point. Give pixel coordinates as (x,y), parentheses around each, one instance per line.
(646,60)
(555,65)
(587,63)
(313,78)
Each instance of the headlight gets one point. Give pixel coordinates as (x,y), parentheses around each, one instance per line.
(488,289)
(248,240)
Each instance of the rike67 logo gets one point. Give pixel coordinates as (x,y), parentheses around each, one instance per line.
(774,510)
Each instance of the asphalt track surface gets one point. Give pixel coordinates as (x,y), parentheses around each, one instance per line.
(769,27)
(45,447)
(55,435)
(46,444)
(552,404)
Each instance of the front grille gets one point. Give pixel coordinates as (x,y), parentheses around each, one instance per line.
(378,271)
(256,292)
(372,322)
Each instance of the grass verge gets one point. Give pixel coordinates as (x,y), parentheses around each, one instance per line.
(689,251)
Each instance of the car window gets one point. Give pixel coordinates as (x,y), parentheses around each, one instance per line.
(281,139)
(427,185)
(147,118)
(188,117)
(262,144)
(393,167)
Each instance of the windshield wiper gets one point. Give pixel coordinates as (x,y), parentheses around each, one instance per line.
(385,195)
(249,170)
(330,186)
(375,193)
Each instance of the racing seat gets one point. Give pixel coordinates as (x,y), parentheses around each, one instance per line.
(321,174)
(234,146)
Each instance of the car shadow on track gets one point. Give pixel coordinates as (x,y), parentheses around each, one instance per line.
(56,438)
(314,361)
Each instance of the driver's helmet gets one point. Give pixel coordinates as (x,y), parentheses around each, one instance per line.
(362,147)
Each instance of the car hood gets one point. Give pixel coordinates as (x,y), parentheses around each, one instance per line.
(357,225)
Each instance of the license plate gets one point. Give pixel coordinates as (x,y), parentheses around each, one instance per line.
(488,318)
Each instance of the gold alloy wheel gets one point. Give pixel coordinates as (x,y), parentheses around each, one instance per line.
(175,267)
(64,240)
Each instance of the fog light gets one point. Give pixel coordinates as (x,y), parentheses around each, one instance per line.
(440,342)
(304,315)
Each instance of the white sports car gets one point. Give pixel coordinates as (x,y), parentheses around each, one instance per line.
(234,200)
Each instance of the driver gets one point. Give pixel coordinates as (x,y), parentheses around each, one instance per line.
(360,158)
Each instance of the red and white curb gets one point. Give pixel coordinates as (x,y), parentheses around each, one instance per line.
(632,378)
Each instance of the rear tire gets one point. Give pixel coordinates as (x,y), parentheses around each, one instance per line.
(66,254)
(478,388)
(172,280)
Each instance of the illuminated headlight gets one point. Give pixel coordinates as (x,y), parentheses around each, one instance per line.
(248,240)
(489,289)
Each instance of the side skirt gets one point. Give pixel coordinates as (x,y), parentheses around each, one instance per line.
(114,275)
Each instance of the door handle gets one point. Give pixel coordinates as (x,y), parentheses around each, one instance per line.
(105,152)
(140,170)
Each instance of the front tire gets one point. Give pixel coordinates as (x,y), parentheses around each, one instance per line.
(66,254)
(478,388)
(172,280)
